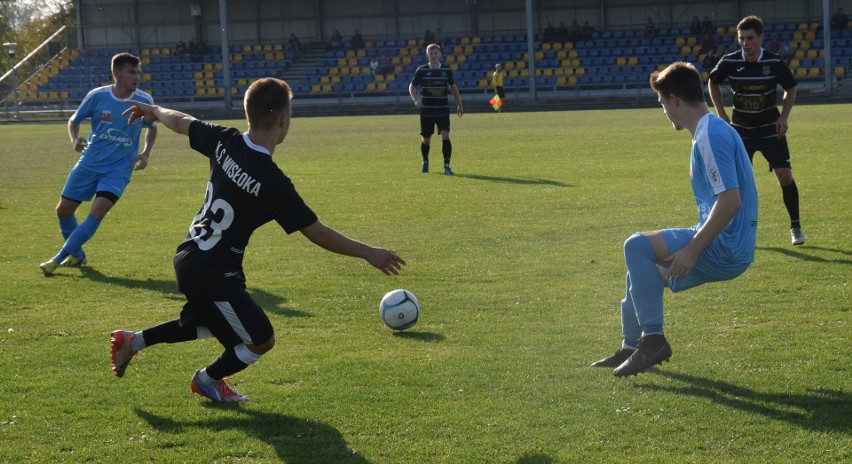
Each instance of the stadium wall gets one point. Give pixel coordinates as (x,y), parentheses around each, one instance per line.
(159,23)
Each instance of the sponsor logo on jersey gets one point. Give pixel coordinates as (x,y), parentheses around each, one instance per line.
(117,136)
(106,116)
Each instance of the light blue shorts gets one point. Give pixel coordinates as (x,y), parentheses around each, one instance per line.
(705,270)
(83,183)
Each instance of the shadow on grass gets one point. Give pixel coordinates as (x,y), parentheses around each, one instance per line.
(514,180)
(421,336)
(535,458)
(294,440)
(268,301)
(820,410)
(799,253)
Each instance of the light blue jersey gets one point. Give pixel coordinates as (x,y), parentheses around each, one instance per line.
(719,162)
(112,144)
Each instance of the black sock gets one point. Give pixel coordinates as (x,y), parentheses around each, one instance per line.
(169,332)
(447,150)
(424,150)
(791,201)
(225,365)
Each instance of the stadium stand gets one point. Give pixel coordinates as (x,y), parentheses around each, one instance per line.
(609,59)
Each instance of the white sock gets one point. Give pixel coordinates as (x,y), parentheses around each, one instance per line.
(627,347)
(202,376)
(138,342)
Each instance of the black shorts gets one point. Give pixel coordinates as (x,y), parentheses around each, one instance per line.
(775,150)
(500,92)
(428,123)
(219,303)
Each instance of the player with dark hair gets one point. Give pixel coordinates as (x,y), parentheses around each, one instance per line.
(720,247)
(107,161)
(246,189)
(435,81)
(754,74)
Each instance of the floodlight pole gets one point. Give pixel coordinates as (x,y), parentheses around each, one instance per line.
(10,46)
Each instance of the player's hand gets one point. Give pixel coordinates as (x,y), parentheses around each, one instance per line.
(385,260)
(680,263)
(139,110)
(141,161)
(460,111)
(80,144)
(781,126)
(418,103)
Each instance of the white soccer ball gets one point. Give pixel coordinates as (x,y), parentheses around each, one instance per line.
(399,309)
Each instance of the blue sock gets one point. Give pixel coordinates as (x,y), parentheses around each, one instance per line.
(629,324)
(646,286)
(68,224)
(81,235)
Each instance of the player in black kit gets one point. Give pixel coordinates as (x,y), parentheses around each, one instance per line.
(435,81)
(754,74)
(246,189)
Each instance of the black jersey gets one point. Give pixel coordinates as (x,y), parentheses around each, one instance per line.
(755,89)
(434,86)
(246,190)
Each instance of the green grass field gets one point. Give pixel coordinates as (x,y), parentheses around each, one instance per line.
(517,262)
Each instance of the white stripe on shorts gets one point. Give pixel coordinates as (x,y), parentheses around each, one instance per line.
(228,311)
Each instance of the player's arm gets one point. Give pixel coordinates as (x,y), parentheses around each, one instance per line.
(150,137)
(718,102)
(78,142)
(412,90)
(455,90)
(174,120)
(789,100)
(726,207)
(325,237)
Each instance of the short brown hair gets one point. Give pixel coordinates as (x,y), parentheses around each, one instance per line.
(121,59)
(265,100)
(679,78)
(751,22)
(431,46)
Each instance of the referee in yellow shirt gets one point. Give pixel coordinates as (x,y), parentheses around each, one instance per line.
(497,83)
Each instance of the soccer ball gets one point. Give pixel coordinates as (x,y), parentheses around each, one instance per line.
(399,309)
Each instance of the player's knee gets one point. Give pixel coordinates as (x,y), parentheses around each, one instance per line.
(636,245)
(264,347)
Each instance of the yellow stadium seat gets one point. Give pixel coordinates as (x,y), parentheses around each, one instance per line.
(315,88)
(621,61)
(795,63)
(545,47)
(803,27)
(813,72)
(335,79)
(556,47)
(513,73)
(839,71)
(801,72)
(633,61)
(370,87)
(559,72)
(568,46)
(680,41)
(691,40)
(475,40)
(482,83)
(381,86)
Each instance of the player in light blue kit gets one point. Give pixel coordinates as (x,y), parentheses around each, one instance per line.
(720,247)
(108,158)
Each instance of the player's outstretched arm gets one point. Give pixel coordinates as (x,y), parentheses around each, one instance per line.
(325,237)
(174,120)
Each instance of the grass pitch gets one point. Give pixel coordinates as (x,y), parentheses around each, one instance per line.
(517,263)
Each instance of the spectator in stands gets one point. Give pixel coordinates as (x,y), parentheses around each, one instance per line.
(439,37)
(428,37)
(575,34)
(336,41)
(695,27)
(384,65)
(374,66)
(707,26)
(774,45)
(197,49)
(587,31)
(293,44)
(562,32)
(180,48)
(712,57)
(549,33)
(109,156)
(785,52)
(708,44)
(357,42)
(839,21)
(650,29)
